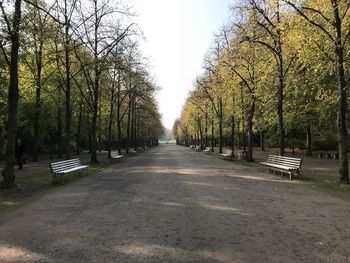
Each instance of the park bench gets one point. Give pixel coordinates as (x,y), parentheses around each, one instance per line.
(227,154)
(242,155)
(139,149)
(198,148)
(132,152)
(116,156)
(283,164)
(328,155)
(207,150)
(66,167)
(195,147)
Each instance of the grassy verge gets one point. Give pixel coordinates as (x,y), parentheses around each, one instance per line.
(32,187)
(323,182)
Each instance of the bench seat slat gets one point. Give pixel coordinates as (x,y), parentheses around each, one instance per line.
(66,161)
(283,161)
(73,169)
(280,166)
(116,156)
(65,167)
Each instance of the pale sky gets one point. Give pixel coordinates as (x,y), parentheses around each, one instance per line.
(178,34)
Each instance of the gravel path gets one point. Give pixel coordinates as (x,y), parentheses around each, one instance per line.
(171,204)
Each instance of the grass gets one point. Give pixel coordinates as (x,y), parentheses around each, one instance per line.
(32,187)
(326,183)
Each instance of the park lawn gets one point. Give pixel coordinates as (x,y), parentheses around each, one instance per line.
(326,183)
(32,187)
(323,182)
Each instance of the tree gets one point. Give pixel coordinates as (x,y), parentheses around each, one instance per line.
(12,30)
(329,17)
(99,42)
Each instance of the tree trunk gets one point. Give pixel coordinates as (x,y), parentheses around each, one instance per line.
(308,138)
(96,90)
(93,136)
(99,128)
(200,134)
(280,101)
(8,181)
(94,119)
(68,85)
(80,119)
(243,121)
(212,134)
(206,130)
(250,131)
(59,125)
(342,104)
(239,136)
(119,122)
(128,127)
(110,124)
(134,127)
(220,125)
(233,135)
(262,146)
(293,142)
(39,56)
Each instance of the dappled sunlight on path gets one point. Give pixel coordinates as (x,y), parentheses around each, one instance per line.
(182,207)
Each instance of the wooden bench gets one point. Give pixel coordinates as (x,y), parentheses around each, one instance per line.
(139,149)
(283,164)
(227,154)
(207,150)
(66,167)
(198,148)
(115,156)
(242,155)
(132,152)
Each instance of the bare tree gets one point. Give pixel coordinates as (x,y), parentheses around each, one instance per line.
(99,42)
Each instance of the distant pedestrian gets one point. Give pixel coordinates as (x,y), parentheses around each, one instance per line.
(19,153)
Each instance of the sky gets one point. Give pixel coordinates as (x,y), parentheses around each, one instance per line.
(178,34)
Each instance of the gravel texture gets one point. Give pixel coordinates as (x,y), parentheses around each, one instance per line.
(171,204)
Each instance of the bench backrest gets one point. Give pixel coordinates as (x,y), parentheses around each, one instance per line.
(290,162)
(57,167)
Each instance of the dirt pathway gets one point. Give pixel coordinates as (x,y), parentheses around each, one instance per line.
(174,205)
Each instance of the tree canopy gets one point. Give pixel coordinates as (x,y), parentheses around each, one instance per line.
(73,79)
(276,76)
